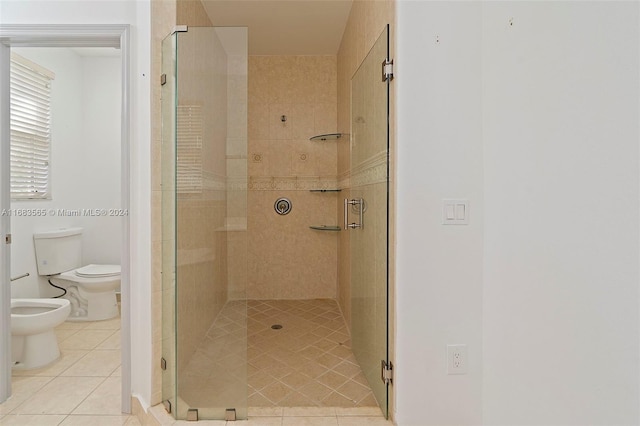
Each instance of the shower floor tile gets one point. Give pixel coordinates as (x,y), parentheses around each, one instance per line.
(314,347)
(307,362)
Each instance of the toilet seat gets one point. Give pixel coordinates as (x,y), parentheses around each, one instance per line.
(92,280)
(98,271)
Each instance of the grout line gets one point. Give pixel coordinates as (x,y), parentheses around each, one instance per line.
(60,374)
(88,395)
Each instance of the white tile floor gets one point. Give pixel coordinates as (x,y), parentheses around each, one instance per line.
(81,388)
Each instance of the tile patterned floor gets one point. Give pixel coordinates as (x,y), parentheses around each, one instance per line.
(82,387)
(306,363)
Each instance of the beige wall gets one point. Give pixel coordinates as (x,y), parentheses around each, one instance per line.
(287,260)
(192,12)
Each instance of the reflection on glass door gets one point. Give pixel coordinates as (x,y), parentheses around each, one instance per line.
(366,217)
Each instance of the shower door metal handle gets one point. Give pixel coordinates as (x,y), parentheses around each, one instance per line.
(354,202)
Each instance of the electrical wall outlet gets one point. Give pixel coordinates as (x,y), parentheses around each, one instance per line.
(456,359)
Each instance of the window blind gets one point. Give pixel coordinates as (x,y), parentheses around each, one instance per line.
(30,126)
(189,150)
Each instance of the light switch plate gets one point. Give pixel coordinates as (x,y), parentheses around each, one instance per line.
(455,212)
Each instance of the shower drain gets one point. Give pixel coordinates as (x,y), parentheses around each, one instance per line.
(276,326)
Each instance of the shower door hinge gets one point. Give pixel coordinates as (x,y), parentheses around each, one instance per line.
(180,29)
(163,79)
(192,415)
(7,239)
(163,363)
(230,414)
(167,405)
(386,372)
(387,70)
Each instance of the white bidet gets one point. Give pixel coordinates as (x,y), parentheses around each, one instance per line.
(33,341)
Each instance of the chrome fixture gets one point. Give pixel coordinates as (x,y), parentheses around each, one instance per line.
(359,202)
(282,206)
(20,276)
(192,415)
(230,414)
(328,136)
(325,227)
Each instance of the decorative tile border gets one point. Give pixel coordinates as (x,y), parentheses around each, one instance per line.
(291,183)
(371,171)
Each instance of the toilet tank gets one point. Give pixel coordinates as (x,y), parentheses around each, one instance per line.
(58,250)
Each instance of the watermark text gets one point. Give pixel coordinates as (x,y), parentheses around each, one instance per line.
(64,212)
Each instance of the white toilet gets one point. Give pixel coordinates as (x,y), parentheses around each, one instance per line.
(91,289)
(33,341)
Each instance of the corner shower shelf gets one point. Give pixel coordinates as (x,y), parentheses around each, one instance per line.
(325,190)
(328,136)
(325,228)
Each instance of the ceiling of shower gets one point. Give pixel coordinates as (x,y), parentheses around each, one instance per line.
(285,27)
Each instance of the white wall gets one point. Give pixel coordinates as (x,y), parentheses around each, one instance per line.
(101,158)
(544,287)
(85,163)
(137,14)
(561,207)
(439,268)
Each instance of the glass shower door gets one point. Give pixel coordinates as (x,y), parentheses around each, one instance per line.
(367,217)
(168,177)
(204,223)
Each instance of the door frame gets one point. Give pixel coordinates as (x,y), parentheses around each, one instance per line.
(98,35)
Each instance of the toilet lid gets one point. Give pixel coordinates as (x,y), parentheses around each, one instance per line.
(98,271)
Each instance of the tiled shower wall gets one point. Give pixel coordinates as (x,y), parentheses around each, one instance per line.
(365,24)
(287,260)
(163,14)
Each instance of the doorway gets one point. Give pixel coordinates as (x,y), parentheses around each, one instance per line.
(70,36)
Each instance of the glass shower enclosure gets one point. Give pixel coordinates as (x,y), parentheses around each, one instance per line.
(204,210)
(367,210)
